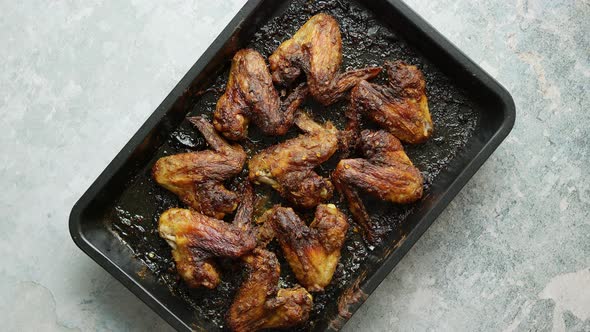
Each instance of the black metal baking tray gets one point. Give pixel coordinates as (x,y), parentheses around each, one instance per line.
(114,222)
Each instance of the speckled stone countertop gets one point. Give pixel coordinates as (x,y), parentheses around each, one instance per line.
(511,252)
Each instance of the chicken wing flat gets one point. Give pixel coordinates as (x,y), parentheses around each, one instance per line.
(260,304)
(316,49)
(196,239)
(197,177)
(402,107)
(387,173)
(251,96)
(289,166)
(312,252)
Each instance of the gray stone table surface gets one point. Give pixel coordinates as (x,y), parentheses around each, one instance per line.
(511,252)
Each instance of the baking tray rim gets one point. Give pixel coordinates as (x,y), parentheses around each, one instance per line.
(447,195)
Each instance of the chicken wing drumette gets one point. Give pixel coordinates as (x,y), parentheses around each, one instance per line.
(402,107)
(196,239)
(260,304)
(387,173)
(289,166)
(197,177)
(316,49)
(312,251)
(251,96)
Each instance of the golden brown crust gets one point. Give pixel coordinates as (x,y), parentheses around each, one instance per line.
(312,252)
(288,166)
(251,96)
(387,174)
(260,304)
(316,49)
(197,177)
(196,239)
(401,108)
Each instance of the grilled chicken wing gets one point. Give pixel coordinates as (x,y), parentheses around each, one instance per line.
(288,166)
(312,252)
(401,108)
(196,239)
(387,173)
(196,177)
(260,304)
(316,49)
(251,96)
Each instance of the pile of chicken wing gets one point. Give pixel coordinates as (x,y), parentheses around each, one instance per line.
(307,65)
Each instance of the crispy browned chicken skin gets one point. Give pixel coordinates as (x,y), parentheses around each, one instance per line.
(251,96)
(400,108)
(312,252)
(289,166)
(316,49)
(387,173)
(196,239)
(260,304)
(197,177)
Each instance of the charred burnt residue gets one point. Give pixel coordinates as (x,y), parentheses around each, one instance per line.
(366,41)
